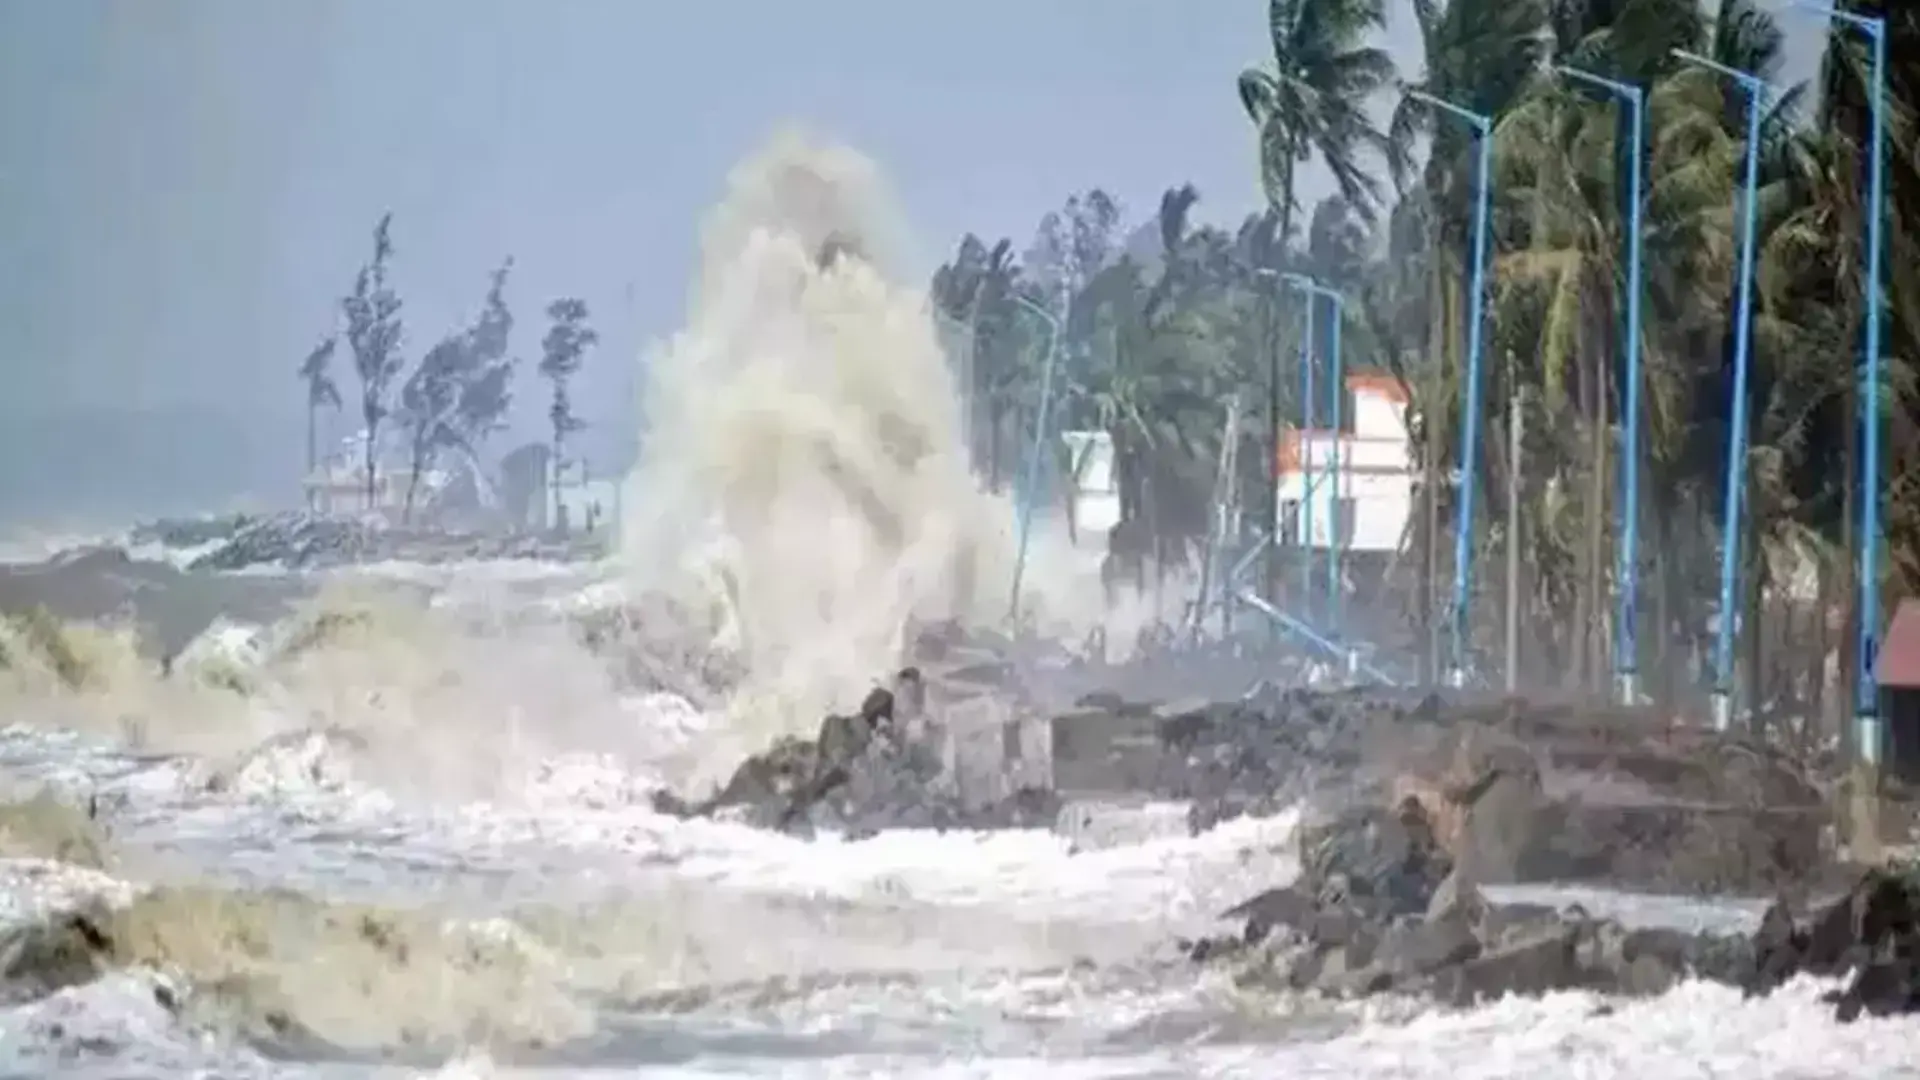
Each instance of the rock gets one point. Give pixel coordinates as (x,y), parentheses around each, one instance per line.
(1870,934)
(878,768)
(43,827)
(306,541)
(1334,932)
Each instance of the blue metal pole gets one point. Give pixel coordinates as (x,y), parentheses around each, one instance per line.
(1336,388)
(1306,458)
(1031,495)
(1626,658)
(1867,702)
(1470,429)
(1866,712)
(1737,437)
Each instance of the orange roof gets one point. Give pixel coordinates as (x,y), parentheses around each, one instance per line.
(1386,386)
(1898,663)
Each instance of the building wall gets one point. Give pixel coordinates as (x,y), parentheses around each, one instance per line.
(1096,498)
(1362,479)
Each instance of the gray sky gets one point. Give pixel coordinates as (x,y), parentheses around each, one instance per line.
(186,186)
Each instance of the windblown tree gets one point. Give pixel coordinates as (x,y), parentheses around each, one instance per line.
(374,333)
(1175,321)
(561,352)
(460,391)
(322,393)
(1313,102)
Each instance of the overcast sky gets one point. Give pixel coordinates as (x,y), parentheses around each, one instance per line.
(186,186)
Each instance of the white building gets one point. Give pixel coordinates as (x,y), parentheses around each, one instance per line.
(1096,486)
(1370,493)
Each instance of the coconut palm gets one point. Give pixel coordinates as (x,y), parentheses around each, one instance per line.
(1312,103)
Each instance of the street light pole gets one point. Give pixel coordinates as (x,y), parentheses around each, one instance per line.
(1309,290)
(1626,655)
(1470,427)
(1269,342)
(1336,387)
(1030,495)
(1866,707)
(1755,88)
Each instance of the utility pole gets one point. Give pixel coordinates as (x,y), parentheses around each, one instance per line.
(1515,442)
(1272,472)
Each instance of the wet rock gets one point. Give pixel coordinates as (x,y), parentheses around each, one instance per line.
(1380,905)
(309,541)
(1871,934)
(44,827)
(877,768)
(1348,928)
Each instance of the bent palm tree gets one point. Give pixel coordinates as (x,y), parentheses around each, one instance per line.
(1314,100)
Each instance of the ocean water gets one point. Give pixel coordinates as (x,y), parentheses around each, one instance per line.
(405,829)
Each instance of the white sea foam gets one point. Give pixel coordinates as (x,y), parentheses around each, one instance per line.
(803,495)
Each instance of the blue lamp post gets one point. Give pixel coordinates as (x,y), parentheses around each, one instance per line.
(1866,710)
(1308,289)
(1470,429)
(1336,386)
(1742,357)
(1626,655)
(1030,496)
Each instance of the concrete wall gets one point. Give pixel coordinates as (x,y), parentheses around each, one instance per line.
(990,752)
(1362,479)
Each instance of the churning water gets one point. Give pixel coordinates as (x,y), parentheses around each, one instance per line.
(404,827)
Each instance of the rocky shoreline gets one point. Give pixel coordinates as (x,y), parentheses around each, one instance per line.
(1421,804)
(302,541)
(1382,907)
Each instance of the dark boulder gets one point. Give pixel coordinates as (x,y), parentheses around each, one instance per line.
(1871,935)
(878,768)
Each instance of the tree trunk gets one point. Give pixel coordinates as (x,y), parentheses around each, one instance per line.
(1593,630)
(373,430)
(1822,629)
(1271,474)
(558,523)
(414,469)
(313,455)
(1850,573)
(1437,327)
(1662,650)
(1753,626)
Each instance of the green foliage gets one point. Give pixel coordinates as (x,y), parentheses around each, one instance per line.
(561,353)
(1166,327)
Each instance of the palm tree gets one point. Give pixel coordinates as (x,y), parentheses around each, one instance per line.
(1481,54)
(1313,102)
(322,392)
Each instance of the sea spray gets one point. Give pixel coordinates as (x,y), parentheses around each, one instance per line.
(804,490)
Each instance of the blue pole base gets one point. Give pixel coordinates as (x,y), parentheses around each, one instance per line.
(1722,710)
(1866,734)
(1627,686)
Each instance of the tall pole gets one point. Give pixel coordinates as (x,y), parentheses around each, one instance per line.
(1307,540)
(1470,428)
(1866,706)
(1335,389)
(1030,495)
(1269,327)
(1308,291)
(1755,88)
(1516,443)
(1626,655)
